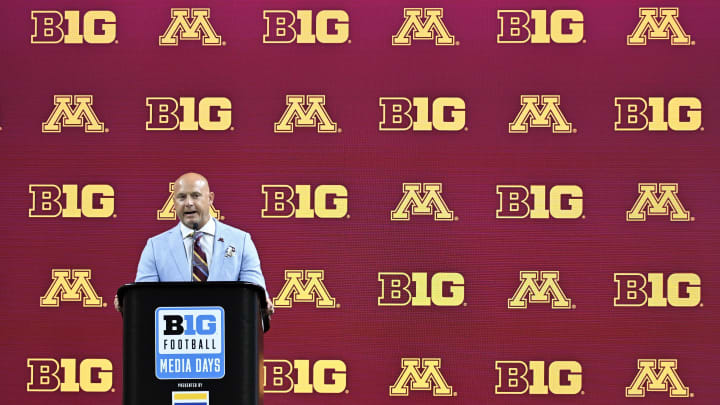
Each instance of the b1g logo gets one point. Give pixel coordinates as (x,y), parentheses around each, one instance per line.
(304,286)
(92,375)
(657,375)
(167,212)
(73,286)
(514,27)
(535,292)
(650,203)
(396,290)
(73,111)
(214,114)
(412,378)
(306,112)
(565,202)
(540,112)
(563,378)
(195,28)
(448,114)
(430,203)
(423,24)
(659,23)
(54,27)
(189,342)
(683,290)
(284,376)
(94,201)
(683,114)
(331,27)
(285,201)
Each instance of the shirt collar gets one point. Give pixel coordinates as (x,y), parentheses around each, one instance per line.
(208,229)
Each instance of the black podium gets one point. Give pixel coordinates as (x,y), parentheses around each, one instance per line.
(192,343)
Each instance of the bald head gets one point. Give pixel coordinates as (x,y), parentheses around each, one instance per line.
(193,198)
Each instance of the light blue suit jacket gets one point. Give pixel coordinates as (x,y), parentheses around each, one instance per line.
(234,257)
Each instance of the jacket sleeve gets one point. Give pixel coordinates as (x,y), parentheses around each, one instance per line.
(250,270)
(147,270)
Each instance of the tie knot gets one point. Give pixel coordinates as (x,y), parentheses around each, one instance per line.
(197,235)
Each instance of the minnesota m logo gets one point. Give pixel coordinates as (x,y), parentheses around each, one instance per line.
(312,290)
(167,212)
(539,294)
(199,28)
(654,205)
(69,290)
(82,114)
(411,379)
(431,202)
(540,117)
(665,379)
(314,115)
(659,29)
(433,27)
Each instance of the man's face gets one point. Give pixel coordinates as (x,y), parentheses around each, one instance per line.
(192,201)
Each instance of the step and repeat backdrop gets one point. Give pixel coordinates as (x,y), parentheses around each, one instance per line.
(502,202)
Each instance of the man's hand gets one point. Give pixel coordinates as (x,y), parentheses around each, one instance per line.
(117,304)
(270,307)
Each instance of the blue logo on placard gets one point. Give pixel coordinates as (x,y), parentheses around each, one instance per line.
(189,342)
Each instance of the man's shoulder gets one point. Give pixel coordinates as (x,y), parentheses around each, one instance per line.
(230,231)
(165,235)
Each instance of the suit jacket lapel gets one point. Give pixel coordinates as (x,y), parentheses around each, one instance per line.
(218,251)
(179,254)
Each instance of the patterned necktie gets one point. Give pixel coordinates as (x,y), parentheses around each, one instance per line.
(199,261)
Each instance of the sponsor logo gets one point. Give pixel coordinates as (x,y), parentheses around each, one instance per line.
(657,375)
(285,201)
(539,293)
(659,23)
(305,112)
(396,289)
(430,203)
(540,112)
(183,27)
(563,378)
(514,26)
(73,286)
(304,286)
(331,27)
(191,398)
(189,342)
(658,199)
(91,375)
(683,114)
(54,27)
(96,201)
(214,114)
(167,212)
(448,114)
(73,111)
(683,290)
(423,24)
(565,202)
(284,376)
(412,379)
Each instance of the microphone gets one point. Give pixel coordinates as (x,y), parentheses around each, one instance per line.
(195,227)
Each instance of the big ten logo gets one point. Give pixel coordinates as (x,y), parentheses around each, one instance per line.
(91,375)
(306,112)
(53,27)
(658,375)
(663,204)
(189,325)
(557,377)
(429,203)
(683,114)
(73,111)
(184,27)
(422,374)
(213,113)
(73,286)
(563,202)
(402,114)
(444,290)
(423,24)
(330,27)
(659,23)
(519,26)
(304,286)
(540,112)
(680,290)
(534,291)
(304,376)
(93,201)
(167,212)
(300,201)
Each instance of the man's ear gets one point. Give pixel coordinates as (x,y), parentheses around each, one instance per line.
(212,197)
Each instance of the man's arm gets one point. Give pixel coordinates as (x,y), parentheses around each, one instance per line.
(250,270)
(147,270)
